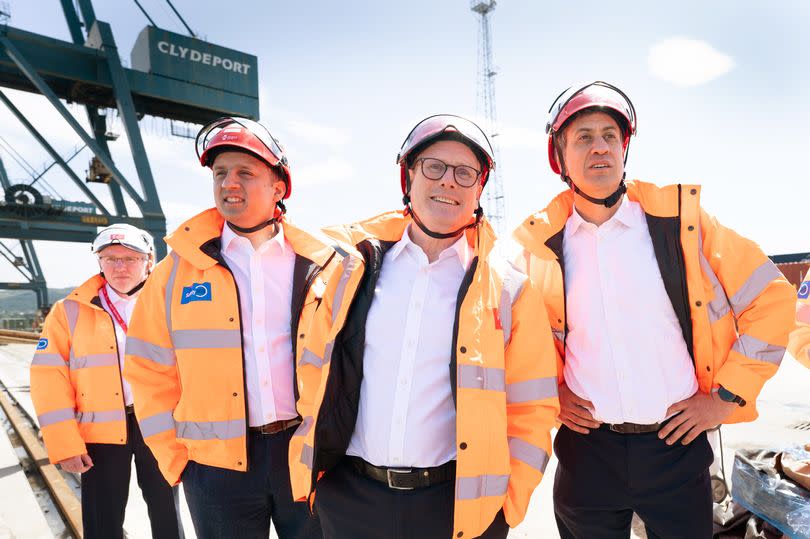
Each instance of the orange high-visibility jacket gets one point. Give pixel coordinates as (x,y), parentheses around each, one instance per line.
(734,307)
(184,357)
(76,377)
(502,374)
(799,343)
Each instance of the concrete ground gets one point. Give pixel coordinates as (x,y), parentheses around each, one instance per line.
(783,405)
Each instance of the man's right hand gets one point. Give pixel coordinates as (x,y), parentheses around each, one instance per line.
(77,464)
(575,413)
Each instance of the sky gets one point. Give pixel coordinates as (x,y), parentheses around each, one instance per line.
(720,89)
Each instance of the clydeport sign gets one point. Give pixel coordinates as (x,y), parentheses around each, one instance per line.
(175,56)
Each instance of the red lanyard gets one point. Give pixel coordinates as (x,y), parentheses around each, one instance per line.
(113,310)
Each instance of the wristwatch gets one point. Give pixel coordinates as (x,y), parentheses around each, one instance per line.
(728,396)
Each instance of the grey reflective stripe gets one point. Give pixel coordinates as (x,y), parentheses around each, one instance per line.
(339,250)
(470,488)
(758,281)
(101,417)
(156,424)
(185,339)
(48,360)
(170,289)
(475,377)
(327,352)
(534,456)
(753,348)
(531,390)
(307,455)
(558,334)
(308,357)
(348,268)
(56,416)
(210,430)
(72,313)
(512,285)
(718,307)
(152,352)
(305,426)
(93,360)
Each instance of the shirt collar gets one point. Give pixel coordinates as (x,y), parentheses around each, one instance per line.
(229,236)
(114,297)
(460,248)
(627,215)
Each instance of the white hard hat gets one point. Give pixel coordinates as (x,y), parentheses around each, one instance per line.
(126,235)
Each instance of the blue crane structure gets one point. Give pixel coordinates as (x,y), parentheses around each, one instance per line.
(172,76)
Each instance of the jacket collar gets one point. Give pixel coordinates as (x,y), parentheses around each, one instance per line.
(538,229)
(390,226)
(190,237)
(87,292)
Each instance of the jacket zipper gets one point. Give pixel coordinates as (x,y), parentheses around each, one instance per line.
(222,263)
(120,374)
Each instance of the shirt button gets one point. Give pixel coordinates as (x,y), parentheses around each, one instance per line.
(404,381)
(395,459)
(261,349)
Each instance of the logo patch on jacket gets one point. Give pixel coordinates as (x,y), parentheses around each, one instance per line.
(196,292)
(42,344)
(804,290)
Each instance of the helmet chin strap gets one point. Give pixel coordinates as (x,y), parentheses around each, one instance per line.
(260,226)
(479,213)
(607,202)
(134,290)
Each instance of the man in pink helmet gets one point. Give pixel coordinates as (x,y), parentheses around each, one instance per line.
(214,342)
(437,381)
(667,324)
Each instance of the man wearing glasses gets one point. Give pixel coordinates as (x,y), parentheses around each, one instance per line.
(439,388)
(84,407)
(214,342)
(667,324)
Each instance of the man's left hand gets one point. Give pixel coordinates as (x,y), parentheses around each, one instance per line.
(698,413)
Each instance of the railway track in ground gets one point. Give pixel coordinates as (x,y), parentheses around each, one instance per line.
(52,489)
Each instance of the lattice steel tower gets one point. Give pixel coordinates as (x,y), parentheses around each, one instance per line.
(494,206)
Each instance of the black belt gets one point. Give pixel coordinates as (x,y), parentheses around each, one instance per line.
(405,478)
(129,409)
(276,426)
(631,428)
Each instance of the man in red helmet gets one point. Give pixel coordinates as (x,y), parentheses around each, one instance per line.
(438,386)
(666,323)
(212,351)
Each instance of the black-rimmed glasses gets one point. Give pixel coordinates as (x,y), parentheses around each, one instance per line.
(434,169)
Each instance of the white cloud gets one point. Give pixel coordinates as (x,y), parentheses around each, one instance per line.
(687,62)
(322,134)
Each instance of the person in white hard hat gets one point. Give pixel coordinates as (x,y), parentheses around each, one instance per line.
(84,407)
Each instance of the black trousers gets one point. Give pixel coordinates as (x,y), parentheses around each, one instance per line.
(240,505)
(603,477)
(353,506)
(105,489)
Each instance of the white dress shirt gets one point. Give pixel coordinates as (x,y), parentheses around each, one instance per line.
(124,306)
(406,415)
(625,350)
(264,277)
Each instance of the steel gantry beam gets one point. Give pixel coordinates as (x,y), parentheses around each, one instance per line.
(176,77)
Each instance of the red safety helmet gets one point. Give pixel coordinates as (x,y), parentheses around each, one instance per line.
(246,135)
(431,128)
(577,98)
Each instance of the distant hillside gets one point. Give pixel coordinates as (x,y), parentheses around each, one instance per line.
(25,301)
